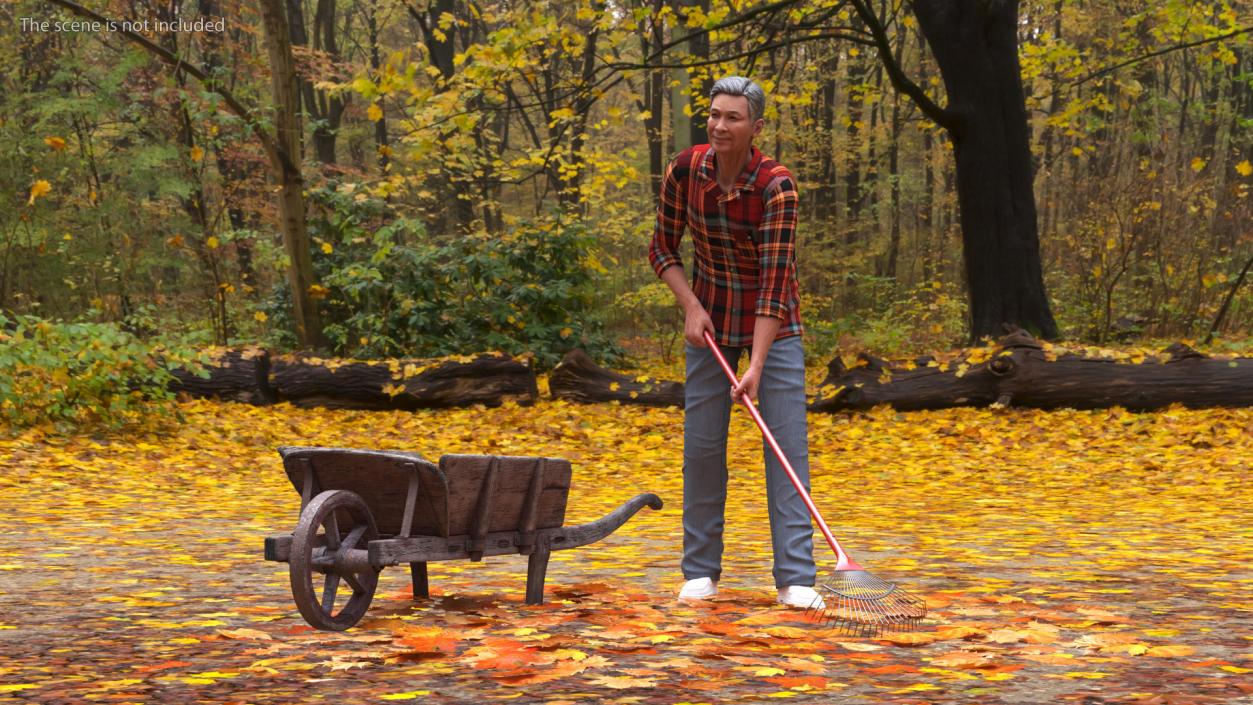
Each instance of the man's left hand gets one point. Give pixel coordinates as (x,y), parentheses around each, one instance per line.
(748,385)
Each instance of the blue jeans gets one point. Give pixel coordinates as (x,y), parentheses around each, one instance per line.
(707,413)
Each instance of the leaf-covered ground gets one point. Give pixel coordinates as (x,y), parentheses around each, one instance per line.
(1082,557)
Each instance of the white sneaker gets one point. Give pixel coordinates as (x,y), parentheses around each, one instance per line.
(698,589)
(801,596)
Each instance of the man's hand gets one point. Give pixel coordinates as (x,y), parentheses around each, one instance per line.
(748,385)
(698,321)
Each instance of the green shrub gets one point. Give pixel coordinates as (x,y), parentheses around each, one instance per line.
(393,291)
(931,316)
(83,375)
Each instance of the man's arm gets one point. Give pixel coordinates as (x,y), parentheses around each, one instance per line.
(663,253)
(777,255)
(696,319)
(765,328)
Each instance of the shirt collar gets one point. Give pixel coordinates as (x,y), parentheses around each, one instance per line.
(708,170)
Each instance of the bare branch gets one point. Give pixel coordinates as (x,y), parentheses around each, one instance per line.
(942,116)
(1159,52)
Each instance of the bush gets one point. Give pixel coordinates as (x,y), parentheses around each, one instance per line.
(83,375)
(392,291)
(931,316)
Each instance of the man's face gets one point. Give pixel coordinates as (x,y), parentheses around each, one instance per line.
(730,128)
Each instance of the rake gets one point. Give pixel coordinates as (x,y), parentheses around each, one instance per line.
(853,600)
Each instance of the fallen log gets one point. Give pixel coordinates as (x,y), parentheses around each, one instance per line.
(233,375)
(490,380)
(580,379)
(1020,371)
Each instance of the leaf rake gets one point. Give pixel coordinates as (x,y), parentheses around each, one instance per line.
(853,600)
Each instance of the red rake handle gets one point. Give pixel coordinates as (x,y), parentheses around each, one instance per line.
(843,562)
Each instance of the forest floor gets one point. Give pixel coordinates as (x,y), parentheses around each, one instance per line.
(1068,557)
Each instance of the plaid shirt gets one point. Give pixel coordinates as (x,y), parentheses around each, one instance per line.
(745,241)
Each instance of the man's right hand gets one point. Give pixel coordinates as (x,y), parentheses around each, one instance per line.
(698,321)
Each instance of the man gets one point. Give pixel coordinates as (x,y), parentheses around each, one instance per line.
(740,207)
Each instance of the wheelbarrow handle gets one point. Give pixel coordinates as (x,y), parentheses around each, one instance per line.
(843,561)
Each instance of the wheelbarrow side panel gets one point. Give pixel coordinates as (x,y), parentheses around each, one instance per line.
(378,477)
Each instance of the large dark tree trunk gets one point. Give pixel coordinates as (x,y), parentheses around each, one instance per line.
(975,43)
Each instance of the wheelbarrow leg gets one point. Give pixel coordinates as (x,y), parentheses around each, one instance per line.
(536,567)
(421,589)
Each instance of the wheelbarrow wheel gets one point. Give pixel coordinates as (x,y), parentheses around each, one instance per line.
(327,551)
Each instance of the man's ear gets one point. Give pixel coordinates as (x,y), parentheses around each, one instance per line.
(760,123)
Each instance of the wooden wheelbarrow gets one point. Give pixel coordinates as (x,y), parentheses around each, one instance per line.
(364,510)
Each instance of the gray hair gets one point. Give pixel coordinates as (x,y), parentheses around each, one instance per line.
(738,85)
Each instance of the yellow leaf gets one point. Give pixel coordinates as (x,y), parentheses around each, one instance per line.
(1244,168)
(768,671)
(374,112)
(38,189)
(212,243)
(1077,151)
(59,144)
(916,688)
(260,316)
(1137,649)
(566,332)
(613,386)
(1092,675)
(197,154)
(14,687)
(1198,163)
(1236,669)
(411,695)
(326,248)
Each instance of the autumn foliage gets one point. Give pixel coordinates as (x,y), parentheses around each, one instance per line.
(1093,557)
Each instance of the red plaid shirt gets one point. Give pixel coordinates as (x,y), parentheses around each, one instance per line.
(745,241)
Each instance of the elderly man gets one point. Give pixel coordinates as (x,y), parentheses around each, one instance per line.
(740,207)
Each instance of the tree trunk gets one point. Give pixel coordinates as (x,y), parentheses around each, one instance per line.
(404,384)
(381,146)
(1020,373)
(975,43)
(286,165)
(700,88)
(253,376)
(580,379)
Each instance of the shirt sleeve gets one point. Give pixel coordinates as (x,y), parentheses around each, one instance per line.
(777,249)
(663,253)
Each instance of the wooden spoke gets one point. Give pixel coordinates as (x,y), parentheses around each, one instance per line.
(329,587)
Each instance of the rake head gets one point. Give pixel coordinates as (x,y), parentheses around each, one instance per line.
(859,604)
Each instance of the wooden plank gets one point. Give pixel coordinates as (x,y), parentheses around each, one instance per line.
(465,474)
(385,552)
(308,482)
(278,546)
(530,509)
(377,477)
(411,499)
(483,511)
